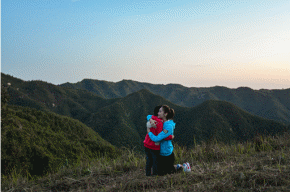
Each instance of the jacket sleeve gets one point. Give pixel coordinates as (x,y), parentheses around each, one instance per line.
(168,138)
(162,135)
(159,128)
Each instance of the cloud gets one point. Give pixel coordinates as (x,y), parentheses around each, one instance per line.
(75,0)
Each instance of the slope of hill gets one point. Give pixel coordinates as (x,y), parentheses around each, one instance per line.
(38,142)
(271,104)
(224,122)
(48,97)
(123,122)
(249,166)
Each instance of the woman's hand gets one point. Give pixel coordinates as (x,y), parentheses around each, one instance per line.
(172,136)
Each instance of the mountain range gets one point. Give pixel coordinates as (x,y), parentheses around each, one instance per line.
(270,104)
(121,120)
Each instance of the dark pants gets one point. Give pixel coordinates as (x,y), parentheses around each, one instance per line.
(152,158)
(166,164)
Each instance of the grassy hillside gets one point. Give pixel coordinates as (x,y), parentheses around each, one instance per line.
(270,104)
(259,165)
(34,142)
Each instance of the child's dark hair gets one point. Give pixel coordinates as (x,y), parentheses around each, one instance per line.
(156,110)
(170,112)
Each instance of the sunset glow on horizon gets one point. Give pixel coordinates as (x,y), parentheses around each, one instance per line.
(233,43)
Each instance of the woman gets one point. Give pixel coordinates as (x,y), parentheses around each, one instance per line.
(166,158)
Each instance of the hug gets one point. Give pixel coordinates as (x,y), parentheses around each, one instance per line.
(158,143)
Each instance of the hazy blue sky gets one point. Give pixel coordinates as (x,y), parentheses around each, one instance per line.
(196,43)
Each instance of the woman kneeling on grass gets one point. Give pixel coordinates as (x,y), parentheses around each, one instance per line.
(166,158)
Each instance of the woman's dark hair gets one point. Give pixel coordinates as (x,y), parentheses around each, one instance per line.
(170,112)
(156,110)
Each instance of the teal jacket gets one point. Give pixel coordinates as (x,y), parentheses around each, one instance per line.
(166,147)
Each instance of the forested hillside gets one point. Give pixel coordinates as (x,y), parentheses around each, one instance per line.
(36,142)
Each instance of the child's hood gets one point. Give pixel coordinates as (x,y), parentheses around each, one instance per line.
(154,118)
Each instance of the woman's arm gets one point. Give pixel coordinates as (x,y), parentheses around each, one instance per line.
(168,130)
(170,137)
(158,129)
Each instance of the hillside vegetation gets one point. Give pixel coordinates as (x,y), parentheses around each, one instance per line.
(123,122)
(210,120)
(224,122)
(48,97)
(258,165)
(35,143)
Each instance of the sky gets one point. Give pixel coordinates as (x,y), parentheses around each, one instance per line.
(200,43)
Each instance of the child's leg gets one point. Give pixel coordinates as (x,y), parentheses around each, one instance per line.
(149,161)
(155,157)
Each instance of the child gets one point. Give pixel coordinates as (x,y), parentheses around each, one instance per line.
(152,149)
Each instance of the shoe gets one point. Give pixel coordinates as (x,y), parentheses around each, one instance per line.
(178,167)
(186,167)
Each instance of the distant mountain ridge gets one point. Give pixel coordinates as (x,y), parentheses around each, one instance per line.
(121,121)
(45,96)
(270,104)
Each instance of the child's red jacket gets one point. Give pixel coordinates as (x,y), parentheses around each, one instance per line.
(159,127)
